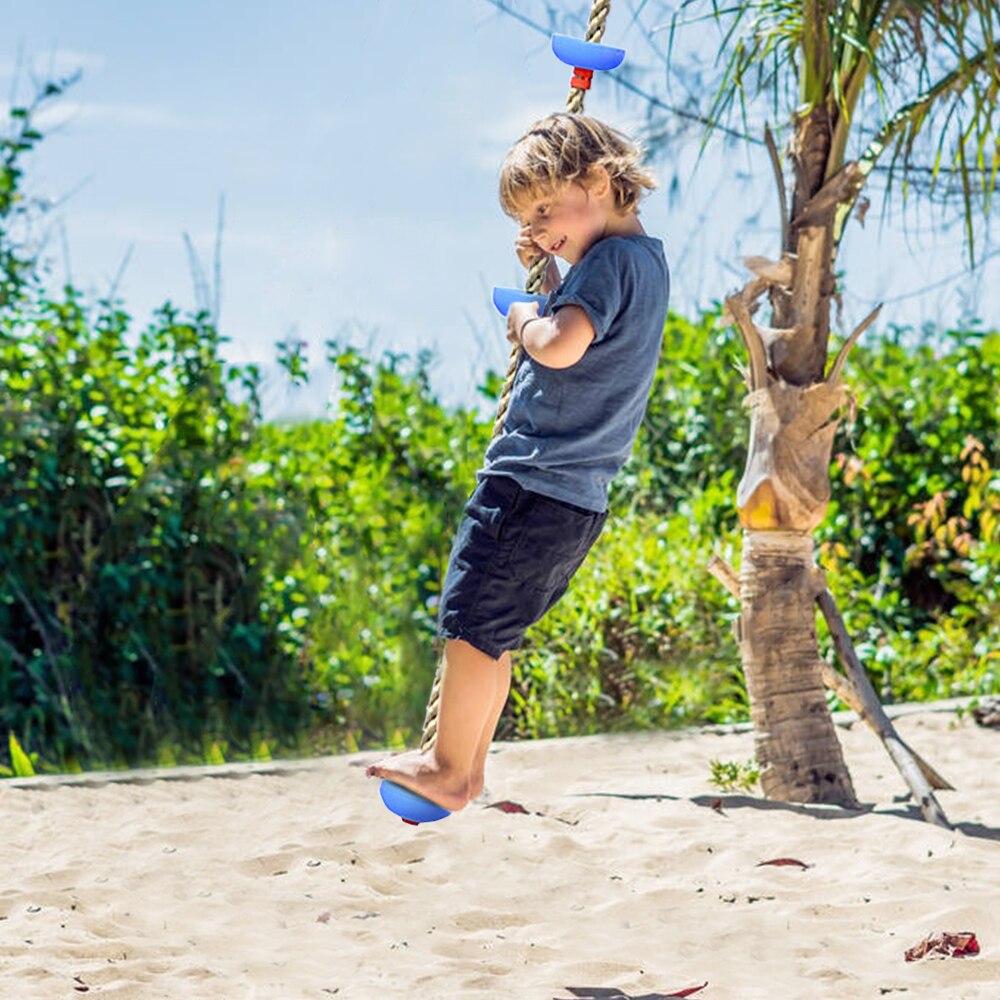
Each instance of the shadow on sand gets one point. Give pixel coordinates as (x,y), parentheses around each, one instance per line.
(724,802)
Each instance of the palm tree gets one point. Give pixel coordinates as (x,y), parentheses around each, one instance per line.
(929,68)
(883,77)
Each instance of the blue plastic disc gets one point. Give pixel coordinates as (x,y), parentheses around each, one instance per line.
(503,297)
(408,806)
(586,55)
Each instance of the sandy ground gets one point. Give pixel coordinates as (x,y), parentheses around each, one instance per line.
(621,880)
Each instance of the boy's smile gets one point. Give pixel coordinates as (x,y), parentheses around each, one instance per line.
(565,222)
(568,221)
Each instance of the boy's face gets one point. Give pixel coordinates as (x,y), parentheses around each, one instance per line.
(567,221)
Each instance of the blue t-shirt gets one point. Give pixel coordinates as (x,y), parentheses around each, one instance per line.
(568,431)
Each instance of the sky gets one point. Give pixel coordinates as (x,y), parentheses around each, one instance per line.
(353,149)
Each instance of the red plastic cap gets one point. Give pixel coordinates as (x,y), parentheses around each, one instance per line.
(581,78)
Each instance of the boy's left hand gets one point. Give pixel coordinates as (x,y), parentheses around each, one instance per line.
(519,314)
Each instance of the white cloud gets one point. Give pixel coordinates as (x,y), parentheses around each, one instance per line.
(123,115)
(327,121)
(503,130)
(318,248)
(491,138)
(120,115)
(58,64)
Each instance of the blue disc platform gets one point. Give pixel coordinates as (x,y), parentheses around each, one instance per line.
(504,297)
(586,55)
(408,806)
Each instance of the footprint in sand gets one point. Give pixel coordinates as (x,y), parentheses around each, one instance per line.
(488,920)
(269,865)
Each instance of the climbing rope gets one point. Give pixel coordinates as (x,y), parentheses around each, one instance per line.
(536,275)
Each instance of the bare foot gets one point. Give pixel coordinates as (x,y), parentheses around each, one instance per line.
(423,774)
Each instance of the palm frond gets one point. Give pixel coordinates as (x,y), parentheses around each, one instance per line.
(752,34)
(944,51)
(976,77)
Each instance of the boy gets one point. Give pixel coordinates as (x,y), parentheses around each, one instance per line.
(578,398)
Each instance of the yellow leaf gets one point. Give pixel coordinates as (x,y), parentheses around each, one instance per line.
(20,760)
(988,525)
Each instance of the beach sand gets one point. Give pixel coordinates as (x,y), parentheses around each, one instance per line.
(621,876)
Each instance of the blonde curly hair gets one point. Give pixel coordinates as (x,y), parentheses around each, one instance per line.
(564,148)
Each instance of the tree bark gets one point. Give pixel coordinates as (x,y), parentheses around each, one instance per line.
(795,408)
(796,744)
(781,498)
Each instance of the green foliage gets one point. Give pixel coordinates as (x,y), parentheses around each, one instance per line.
(910,536)
(732,776)
(314,553)
(642,638)
(180,581)
(383,484)
(22,765)
(17,263)
(695,430)
(141,595)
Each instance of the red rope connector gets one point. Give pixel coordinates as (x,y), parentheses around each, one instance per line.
(581,78)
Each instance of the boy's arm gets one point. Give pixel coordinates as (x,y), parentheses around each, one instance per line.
(557,341)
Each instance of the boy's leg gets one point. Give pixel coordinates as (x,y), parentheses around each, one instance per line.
(478,777)
(468,697)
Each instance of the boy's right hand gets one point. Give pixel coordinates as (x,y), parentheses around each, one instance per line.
(528,251)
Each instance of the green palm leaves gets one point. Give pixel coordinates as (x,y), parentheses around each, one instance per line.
(912,78)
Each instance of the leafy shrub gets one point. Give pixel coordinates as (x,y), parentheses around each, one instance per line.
(182,581)
(734,776)
(134,551)
(910,536)
(383,483)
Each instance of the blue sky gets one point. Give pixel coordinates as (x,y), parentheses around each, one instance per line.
(356,146)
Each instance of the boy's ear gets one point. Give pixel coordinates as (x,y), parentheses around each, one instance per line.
(598,180)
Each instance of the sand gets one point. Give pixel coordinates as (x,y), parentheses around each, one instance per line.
(621,876)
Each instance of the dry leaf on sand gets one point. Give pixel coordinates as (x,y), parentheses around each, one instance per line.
(944,945)
(508,807)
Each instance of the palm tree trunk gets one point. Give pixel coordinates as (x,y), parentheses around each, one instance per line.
(795,408)
(796,745)
(782,497)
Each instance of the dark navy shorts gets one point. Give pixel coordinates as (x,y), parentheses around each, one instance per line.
(512,560)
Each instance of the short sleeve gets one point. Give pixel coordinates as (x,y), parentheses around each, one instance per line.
(597,285)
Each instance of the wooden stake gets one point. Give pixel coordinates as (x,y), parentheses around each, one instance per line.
(917,773)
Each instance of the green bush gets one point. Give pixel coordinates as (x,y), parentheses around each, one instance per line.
(142,600)
(383,483)
(909,537)
(179,580)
